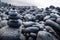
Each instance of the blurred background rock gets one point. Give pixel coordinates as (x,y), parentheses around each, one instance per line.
(38,3)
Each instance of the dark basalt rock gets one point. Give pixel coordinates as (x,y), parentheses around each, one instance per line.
(31,30)
(14,24)
(50,30)
(14,17)
(29,17)
(53,24)
(43,35)
(54,15)
(6,13)
(13,14)
(58,20)
(40,26)
(8,33)
(53,19)
(28,24)
(39,17)
(46,17)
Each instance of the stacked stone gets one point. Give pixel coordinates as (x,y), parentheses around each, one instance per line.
(11,32)
(13,19)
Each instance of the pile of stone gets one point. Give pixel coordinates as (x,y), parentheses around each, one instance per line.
(29,23)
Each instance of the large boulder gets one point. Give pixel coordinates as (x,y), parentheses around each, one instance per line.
(43,35)
(7,33)
(53,24)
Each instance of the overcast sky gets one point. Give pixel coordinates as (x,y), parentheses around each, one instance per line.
(38,3)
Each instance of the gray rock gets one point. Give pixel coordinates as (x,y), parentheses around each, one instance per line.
(43,35)
(7,33)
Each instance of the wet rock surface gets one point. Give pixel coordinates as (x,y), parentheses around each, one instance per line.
(29,23)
